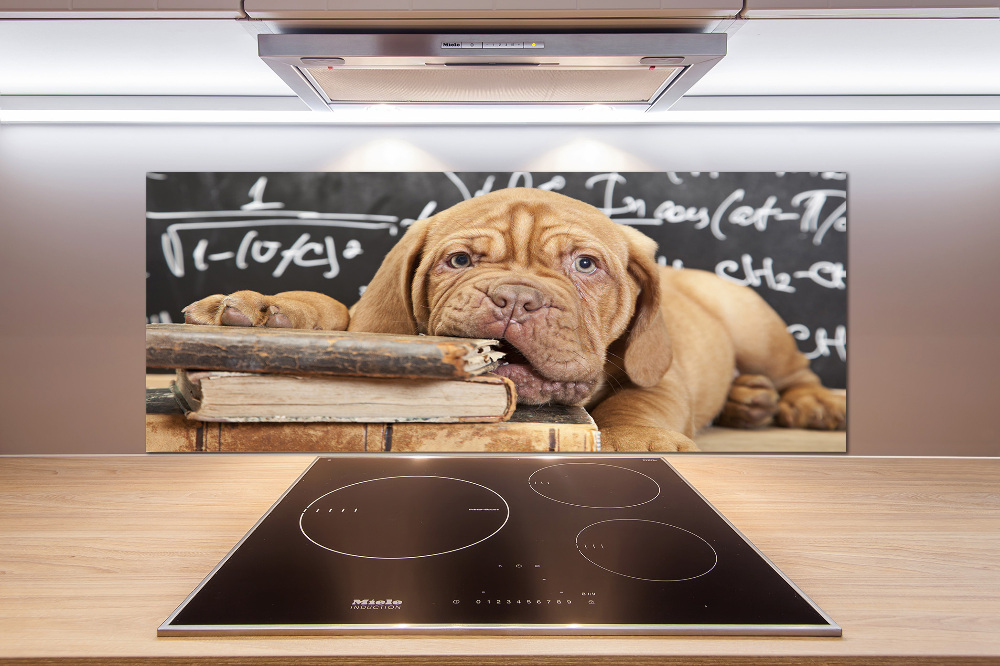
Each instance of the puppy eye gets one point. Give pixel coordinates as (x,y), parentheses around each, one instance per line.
(460,260)
(585,264)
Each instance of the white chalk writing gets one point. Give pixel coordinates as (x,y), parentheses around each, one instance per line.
(824,344)
(813,201)
(632,205)
(425,212)
(257,197)
(352,249)
(554,184)
(824,273)
(516,179)
(327,255)
(673,213)
(252,248)
(463,190)
(755,277)
(704,217)
(675,178)
(263,251)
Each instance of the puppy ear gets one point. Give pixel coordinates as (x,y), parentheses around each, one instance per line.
(648,352)
(387,304)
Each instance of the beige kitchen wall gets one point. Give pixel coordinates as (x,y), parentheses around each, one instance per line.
(924,235)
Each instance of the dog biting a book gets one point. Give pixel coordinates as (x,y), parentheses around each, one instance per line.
(584,316)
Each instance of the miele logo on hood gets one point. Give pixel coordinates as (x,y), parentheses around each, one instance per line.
(376,604)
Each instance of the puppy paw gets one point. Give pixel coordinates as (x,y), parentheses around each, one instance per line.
(290,309)
(752,403)
(241,308)
(812,406)
(644,438)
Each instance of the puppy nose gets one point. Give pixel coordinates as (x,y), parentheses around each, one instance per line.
(516,298)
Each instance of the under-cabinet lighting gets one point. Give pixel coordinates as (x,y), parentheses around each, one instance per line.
(692,110)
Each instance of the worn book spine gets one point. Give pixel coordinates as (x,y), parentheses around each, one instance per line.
(305,398)
(544,429)
(281,350)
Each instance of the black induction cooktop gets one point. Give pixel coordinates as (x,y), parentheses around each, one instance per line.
(477,544)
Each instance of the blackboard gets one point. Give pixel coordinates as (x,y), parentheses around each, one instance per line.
(784,234)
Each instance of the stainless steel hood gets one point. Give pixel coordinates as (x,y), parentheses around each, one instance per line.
(647,71)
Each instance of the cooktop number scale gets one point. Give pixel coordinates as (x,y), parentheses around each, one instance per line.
(495,545)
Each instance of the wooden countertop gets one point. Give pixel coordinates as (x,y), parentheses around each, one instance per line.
(904,553)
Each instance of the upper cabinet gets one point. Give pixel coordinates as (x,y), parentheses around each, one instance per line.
(121,9)
(871,9)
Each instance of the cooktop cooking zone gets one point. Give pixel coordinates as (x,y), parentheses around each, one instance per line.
(478,544)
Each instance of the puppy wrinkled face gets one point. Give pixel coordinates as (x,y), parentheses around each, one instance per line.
(550,281)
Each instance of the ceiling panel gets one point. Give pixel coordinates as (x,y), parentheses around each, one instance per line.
(859,57)
(132,57)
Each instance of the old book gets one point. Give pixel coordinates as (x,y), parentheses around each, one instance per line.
(256,397)
(294,351)
(545,428)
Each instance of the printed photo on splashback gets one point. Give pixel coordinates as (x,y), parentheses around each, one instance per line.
(497,311)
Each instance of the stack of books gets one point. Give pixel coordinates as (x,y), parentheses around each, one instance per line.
(258,389)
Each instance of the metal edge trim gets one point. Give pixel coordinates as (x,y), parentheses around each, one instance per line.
(504,629)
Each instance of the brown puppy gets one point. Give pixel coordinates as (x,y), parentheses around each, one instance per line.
(587,317)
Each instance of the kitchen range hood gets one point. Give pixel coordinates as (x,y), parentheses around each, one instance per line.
(645,71)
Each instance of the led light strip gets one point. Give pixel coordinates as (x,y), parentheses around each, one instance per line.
(692,110)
